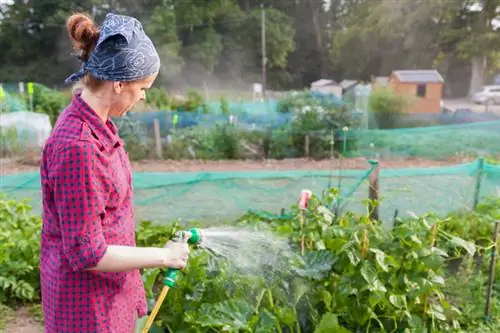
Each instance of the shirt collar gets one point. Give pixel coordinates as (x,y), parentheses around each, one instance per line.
(106,133)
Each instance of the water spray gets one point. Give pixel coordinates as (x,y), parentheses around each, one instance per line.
(170,278)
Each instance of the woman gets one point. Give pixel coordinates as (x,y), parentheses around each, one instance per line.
(89,267)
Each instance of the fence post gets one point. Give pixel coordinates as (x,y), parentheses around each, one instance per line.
(479,177)
(307,145)
(156,124)
(373,190)
(491,275)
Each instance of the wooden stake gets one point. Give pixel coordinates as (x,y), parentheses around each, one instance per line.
(159,152)
(373,191)
(491,276)
(306,145)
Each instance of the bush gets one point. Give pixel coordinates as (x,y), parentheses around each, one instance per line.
(19,252)
(49,101)
(387,107)
(317,116)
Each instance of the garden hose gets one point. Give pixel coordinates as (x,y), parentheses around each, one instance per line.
(171,275)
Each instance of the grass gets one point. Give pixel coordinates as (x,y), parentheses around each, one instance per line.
(6,314)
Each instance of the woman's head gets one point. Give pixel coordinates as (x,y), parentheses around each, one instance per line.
(119,60)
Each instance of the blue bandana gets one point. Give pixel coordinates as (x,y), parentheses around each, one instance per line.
(123,52)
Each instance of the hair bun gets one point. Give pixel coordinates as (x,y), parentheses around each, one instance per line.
(83,33)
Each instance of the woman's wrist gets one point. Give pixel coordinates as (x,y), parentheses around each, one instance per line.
(165,257)
(123,258)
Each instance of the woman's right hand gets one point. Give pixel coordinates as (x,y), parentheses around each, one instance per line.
(177,254)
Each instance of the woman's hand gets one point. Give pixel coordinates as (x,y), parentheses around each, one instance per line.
(177,253)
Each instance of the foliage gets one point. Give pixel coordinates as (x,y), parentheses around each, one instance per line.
(5,314)
(49,101)
(318,116)
(388,107)
(159,99)
(222,141)
(9,143)
(354,276)
(474,226)
(306,100)
(345,274)
(464,290)
(220,42)
(19,252)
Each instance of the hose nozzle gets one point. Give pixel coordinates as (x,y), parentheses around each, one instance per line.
(195,238)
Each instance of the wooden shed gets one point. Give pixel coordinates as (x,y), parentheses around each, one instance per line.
(326,86)
(424,87)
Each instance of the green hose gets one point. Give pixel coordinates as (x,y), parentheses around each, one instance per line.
(195,239)
(171,275)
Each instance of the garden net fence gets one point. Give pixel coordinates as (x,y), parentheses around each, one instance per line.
(220,197)
(256,130)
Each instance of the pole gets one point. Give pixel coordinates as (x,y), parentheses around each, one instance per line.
(373,191)
(264,60)
(479,176)
(491,275)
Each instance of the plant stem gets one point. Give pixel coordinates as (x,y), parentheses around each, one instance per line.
(302,222)
(271,303)
(270,298)
(297,324)
(259,300)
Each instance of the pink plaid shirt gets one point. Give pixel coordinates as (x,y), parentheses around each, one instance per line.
(87,205)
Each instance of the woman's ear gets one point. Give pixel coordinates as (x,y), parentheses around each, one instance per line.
(118,87)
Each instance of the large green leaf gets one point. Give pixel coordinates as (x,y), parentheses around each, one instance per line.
(315,265)
(230,313)
(266,323)
(467,246)
(330,324)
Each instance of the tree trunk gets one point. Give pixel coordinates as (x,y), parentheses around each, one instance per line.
(319,37)
(478,68)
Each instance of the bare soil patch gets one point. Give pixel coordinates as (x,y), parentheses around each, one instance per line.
(10,166)
(23,321)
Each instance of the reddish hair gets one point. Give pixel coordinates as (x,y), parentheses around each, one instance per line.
(84,33)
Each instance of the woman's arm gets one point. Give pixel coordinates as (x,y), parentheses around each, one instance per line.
(80,195)
(124,258)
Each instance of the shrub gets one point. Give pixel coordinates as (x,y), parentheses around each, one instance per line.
(19,252)
(387,107)
(49,101)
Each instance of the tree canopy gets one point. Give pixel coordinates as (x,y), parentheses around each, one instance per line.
(219,42)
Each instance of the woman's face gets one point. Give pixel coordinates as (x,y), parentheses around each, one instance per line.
(127,94)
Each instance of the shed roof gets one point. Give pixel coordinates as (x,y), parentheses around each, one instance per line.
(323,82)
(419,76)
(348,83)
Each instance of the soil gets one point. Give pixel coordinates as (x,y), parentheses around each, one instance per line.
(10,166)
(23,322)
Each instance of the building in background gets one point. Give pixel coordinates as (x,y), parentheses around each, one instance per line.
(329,87)
(424,89)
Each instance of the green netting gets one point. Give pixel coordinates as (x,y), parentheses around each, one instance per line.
(438,190)
(11,103)
(212,197)
(208,197)
(433,142)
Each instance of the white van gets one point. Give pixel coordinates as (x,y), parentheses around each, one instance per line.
(488,95)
